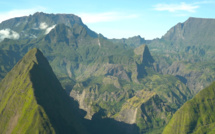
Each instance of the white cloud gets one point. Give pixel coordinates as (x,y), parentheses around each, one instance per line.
(105,17)
(176,7)
(49,29)
(43,25)
(205,2)
(18,13)
(8,33)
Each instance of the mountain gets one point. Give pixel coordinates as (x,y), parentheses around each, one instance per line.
(77,44)
(144,97)
(117,82)
(196,115)
(37,25)
(187,52)
(194,31)
(33,101)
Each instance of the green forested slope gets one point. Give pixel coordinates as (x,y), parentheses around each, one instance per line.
(195,116)
(33,101)
(114,76)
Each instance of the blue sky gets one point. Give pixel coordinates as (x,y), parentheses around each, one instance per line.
(117,18)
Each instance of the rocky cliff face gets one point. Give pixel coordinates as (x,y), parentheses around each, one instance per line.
(99,95)
(141,107)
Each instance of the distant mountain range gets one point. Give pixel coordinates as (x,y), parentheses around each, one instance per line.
(187,51)
(37,25)
(134,84)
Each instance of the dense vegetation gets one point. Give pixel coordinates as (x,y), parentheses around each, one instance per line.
(187,52)
(195,116)
(33,101)
(117,80)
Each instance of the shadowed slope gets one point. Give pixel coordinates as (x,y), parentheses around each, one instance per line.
(33,101)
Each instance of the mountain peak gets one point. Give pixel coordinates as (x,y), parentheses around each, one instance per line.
(34,52)
(146,57)
(33,100)
(35,56)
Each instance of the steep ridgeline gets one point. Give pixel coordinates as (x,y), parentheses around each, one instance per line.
(33,101)
(37,25)
(196,116)
(187,51)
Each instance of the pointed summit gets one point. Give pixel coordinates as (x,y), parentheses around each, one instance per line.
(33,101)
(146,57)
(143,59)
